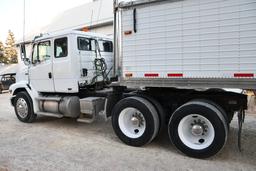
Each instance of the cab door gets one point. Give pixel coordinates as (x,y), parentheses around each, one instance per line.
(40,72)
(87,54)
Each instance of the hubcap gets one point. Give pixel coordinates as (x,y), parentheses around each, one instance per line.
(135,121)
(132,122)
(196,131)
(22,108)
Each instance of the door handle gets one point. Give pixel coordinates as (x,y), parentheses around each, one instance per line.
(50,75)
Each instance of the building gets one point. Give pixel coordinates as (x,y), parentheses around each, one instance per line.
(96,16)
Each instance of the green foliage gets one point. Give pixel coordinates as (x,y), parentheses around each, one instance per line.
(10,53)
(1,52)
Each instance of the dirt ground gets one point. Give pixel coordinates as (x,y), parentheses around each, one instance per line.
(64,144)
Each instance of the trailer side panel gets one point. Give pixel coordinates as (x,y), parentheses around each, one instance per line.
(183,41)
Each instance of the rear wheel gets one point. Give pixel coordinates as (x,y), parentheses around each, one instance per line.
(198,129)
(135,121)
(23,106)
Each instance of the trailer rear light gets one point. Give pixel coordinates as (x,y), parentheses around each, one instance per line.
(243,75)
(175,75)
(151,75)
(128,75)
(128,32)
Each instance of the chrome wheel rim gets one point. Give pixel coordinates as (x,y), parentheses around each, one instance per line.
(22,108)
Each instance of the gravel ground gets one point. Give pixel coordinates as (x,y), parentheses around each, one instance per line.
(64,144)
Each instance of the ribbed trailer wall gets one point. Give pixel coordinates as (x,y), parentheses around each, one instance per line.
(189,43)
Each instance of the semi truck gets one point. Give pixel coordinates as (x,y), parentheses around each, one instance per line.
(169,67)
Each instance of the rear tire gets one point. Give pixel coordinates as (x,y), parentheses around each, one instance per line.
(23,106)
(135,121)
(198,129)
(160,111)
(223,112)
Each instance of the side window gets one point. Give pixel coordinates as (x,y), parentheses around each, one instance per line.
(85,44)
(44,52)
(105,46)
(34,55)
(93,43)
(61,47)
(41,52)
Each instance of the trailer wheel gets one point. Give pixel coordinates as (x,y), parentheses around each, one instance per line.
(198,129)
(223,112)
(23,106)
(135,121)
(160,111)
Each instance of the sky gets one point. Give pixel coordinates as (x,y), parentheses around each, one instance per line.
(38,14)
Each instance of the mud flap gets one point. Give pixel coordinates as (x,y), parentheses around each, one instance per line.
(240,116)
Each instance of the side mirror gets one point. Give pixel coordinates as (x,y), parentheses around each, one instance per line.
(26,61)
(23,51)
(23,54)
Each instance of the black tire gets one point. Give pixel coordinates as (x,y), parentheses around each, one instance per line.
(214,116)
(149,113)
(160,111)
(223,112)
(31,116)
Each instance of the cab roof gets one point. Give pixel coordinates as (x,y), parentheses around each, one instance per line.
(74,32)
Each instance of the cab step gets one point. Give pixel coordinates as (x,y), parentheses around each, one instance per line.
(90,107)
(85,118)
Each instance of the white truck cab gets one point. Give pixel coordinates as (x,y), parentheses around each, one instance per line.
(64,61)
(59,68)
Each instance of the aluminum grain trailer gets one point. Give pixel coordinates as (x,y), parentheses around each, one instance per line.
(180,55)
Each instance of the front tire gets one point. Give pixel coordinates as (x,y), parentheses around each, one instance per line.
(23,106)
(198,129)
(135,121)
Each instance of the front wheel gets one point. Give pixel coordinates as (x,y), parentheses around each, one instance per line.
(135,121)
(23,106)
(198,129)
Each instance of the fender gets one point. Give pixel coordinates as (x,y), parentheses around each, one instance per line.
(21,86)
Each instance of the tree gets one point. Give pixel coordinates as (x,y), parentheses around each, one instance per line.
(10,51)
(2,52)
